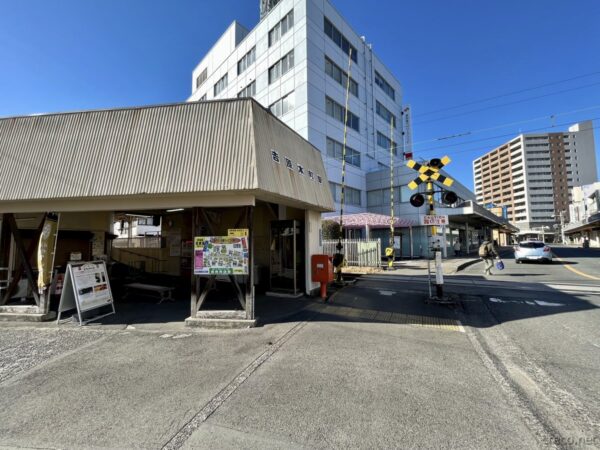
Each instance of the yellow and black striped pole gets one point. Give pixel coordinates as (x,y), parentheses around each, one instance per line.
(338,260)
(390,249)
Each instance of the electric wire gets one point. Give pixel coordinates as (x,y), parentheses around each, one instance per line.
(532,130)
(508,94)
(465,113)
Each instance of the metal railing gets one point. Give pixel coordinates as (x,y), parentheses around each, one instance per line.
(138,242)
(139,261)
(358,252)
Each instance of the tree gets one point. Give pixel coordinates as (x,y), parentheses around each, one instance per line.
(331,229)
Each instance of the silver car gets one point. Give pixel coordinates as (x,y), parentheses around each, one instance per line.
(533,251)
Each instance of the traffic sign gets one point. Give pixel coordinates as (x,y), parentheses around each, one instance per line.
(437,220)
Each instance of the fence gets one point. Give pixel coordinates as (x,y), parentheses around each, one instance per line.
(358,252)
(138,242)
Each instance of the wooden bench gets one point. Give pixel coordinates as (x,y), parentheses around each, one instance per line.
(164,292)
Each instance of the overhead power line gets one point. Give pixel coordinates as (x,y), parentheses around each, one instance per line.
(507,94)
(472,111)
(496,127)
(494,137)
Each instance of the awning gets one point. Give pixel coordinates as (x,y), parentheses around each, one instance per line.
(593,222)
(373,221)
(227,153)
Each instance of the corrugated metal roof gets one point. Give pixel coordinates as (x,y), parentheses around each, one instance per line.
(180,148)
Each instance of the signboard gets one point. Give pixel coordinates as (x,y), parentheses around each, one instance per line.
(237,232)
(86,287)
(220,255)
(434,220)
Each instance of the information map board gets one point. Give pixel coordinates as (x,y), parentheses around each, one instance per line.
(221,255)
(86,287)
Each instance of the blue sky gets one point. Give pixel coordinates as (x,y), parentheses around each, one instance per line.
(64,55)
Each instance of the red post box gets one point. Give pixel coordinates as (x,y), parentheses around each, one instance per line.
(322,271)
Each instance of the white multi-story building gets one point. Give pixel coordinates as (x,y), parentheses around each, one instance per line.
(533,175)
(295,62)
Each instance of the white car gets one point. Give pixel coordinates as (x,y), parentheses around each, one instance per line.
(533,251)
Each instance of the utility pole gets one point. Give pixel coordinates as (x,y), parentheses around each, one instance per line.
(562,226)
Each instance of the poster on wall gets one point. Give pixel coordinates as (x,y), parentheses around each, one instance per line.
(86,287)
(220,255)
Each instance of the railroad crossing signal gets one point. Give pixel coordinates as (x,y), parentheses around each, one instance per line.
(429,172)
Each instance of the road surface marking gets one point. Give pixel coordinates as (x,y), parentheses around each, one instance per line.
(387,293)
(543,303)
(566,266)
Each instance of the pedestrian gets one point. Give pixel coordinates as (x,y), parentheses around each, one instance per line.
(487,252)
(457,247)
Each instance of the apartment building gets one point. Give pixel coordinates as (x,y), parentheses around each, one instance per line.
(532,175)
(295,62)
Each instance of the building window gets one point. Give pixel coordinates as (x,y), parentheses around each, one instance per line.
(335,72)
(246,61)
(201,78)
(248,91)
(281,67)
(380,197)
(384,142)
(220,85)
(340,39)
(282,27)
(283,105)
(351,195)
(335,150)
(385,114)
(202,99)
(384,85)
(337,111)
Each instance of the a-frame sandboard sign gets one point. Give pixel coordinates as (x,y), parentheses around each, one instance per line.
(86,288)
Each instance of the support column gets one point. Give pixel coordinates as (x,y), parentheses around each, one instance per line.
(250,284)
(195,280)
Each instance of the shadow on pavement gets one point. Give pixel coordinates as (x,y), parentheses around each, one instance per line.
(480,303)
(576,252)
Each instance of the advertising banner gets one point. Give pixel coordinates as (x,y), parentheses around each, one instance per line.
(220,255)
(46,249)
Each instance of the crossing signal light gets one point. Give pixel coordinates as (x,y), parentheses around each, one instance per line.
(417,200)
(436,163)
(449,197)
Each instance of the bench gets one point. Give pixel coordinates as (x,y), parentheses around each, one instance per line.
(164,292)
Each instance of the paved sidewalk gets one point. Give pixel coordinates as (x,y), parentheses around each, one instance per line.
(451,266)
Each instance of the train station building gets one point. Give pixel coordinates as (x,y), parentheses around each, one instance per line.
(226,171)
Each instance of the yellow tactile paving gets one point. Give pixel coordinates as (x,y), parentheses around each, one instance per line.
(439,323)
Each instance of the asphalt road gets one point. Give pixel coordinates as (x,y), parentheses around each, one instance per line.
(570,265)
(513,364)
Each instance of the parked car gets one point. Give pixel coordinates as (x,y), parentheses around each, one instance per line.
(533,251)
